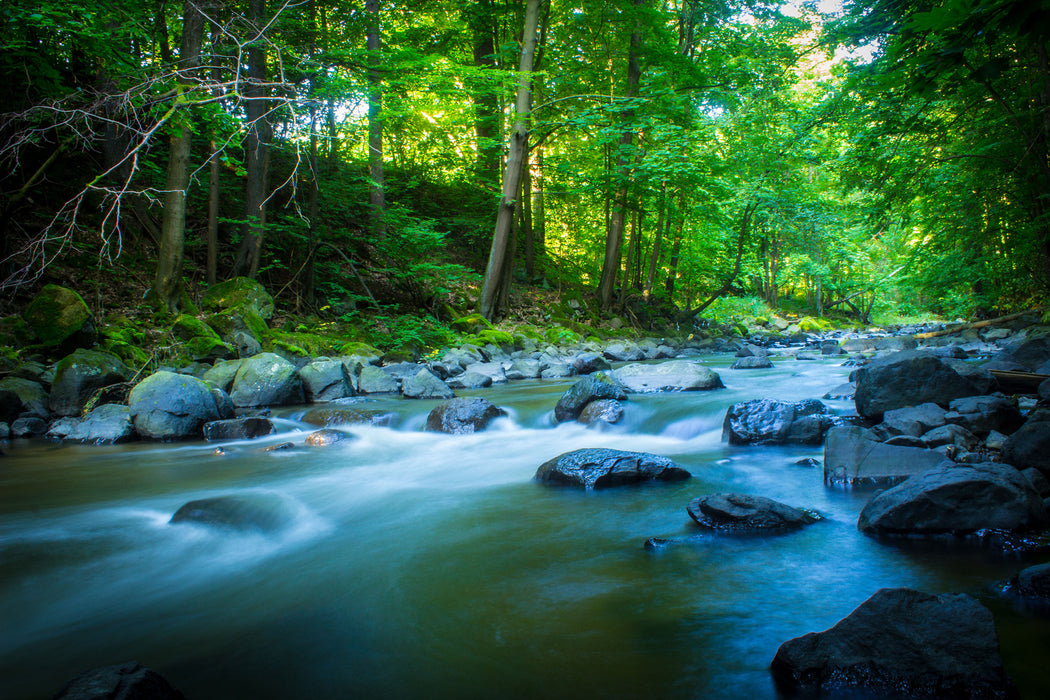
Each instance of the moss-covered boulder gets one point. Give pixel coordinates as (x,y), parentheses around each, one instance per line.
(79,375)
(58,318)
(241,294)
(19,397)
(472,323)
(242,329)
(120,336)
(170,406)
(267,380)
(200,342)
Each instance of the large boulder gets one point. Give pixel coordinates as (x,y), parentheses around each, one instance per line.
(424,384)
(590,362)
(1025,356)
(339,415)
(983,414)
(771,422)
(243,428)
(854,458)
(1029,446)
(201,342)
(267,380)
(524,368)
(743,513)
(913,377)
(19,397)
(624,352)
(463,415)
(590,388)
(127,681)
(60,320)
(900,643)
(601,412)
(108,424)
(676,375)
(603,468)
(79,376)
(241,293)
(326,379)
(1032,584)
(373,380)
(911,420)
(752,362)
(169,406)
(956,499)
(258,512)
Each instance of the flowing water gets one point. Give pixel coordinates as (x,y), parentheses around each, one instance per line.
(419,564)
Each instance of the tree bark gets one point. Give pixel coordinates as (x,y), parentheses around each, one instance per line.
(376,173)
(654,256)
(214,170)
(676,249)
(167,285)
(614,237)
(257,158)
(488,117)
(741,240)
(489,302)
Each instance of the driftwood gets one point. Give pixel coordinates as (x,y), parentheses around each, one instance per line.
(979,324)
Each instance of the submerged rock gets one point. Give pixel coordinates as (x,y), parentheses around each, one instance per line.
(463,415)
(127,681)
(853,458)
(261,512)
(244,428)
(901,642)
(676,375)
(742,513)
(771,422)
(598,468)
(1032,584)
(602,412)
(956,499)
(326,437)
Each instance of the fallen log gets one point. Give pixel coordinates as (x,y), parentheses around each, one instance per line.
(979,324)
(1018,382)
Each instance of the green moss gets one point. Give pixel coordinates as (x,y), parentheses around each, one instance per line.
(473,323)
(187,327)
(57,314)
(14,331)
(491,335)
(240,293)
(359,349)
(808,324)
(289,350)
(303,344)
(8,358)
(559,335)
(205,348)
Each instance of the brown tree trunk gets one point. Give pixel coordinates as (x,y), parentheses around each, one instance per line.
(488,118)
(377,186)
(676,249)
(214,170)
(654,257)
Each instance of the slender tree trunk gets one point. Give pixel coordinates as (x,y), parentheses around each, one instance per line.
(539,213)
(528,234)
(377,186)
(614,238)
(488,117)
(257,143)
(676,248)
(214,170)
(489,302)
(167,285)
(654,258)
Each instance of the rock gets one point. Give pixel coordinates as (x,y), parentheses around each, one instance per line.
(222,374)
(127,681)
(558,370)
(911,420)
(373,380)
(402,371)
(1029,446)
(108,424)
(752,363)
(770,422)
(623,352)
(603,468)
(28,427)
(853,458)
(469,380)
(523,369)
(842,391)
(326,437)
(79,376)
(748,350)
(831,347)
(900,643)
(267,380)
(983,414)
(200,340)
(60,320)
(950,435)
(912,377)
(241,328)
(239,293)
(20,396)
(426,385)
(590,388)
(169,406)
(1044,391)
(1032,583)
(742,513)
(463,415)
(957,499)
(330,416)
(602,411)
(493,370)
(1038,481)
(244,428)
(676,375)
(259,512)
(325,379)
(1029,354)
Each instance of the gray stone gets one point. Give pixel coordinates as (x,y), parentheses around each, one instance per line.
(742,513)
(853,458)
(20,396)
(752,363)
(373,380)
(244,428)
(589,388)
(326,437)
(624,352)
(169,406)
(126,681)
(603,468)
(911,420)
(325,379)
(79,376)
(1029,446)
(911,377)
(336,415)
(493,370)
(558,370)
(901,643)
(426,385)
(602,411)
(469,380)
(107,424)
(28,427)
(1038,481)
(267,380)
(770,422)
(461,416)
(957,499)
(842,391)
(983,414)
(675,375)
(222,374)
(523,369)
(950,435)
(259,512)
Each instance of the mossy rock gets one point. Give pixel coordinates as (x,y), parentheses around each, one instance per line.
(357,349)
(473,323)
(808,324)
(289,351)
(186,327)
(559,335)
(240,293)
(203,348)
(491,335)
(58,318)
(8,358)
(305,344)
(14,331)
(393,357)
(131,355)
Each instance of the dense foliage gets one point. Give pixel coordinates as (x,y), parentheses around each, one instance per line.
(891,157)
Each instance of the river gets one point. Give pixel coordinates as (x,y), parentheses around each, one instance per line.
(427,565)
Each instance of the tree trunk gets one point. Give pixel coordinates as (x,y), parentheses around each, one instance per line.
(488,117)
(257,143)
(489,302)
(654,256)
(614,237)
(741,240)
(676,249)
(214,169)
(377,186)
(167,285)
(539,213)
(526,220)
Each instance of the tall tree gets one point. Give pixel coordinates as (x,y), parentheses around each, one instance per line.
(376,173)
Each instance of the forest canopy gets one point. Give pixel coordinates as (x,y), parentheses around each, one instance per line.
(443,156)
